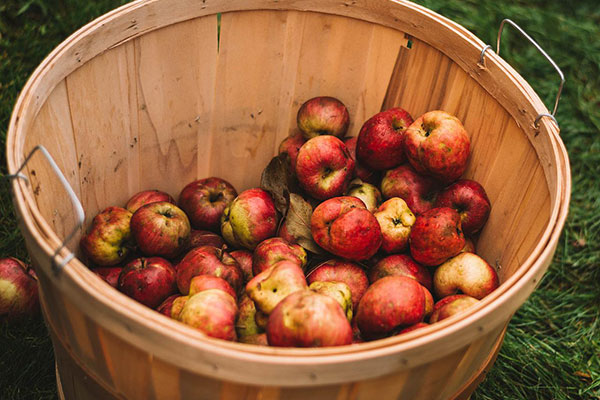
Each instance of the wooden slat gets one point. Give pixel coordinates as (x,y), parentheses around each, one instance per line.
(53,129)
(175,70)
(104,114)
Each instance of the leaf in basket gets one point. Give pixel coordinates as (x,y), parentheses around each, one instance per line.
(298,223)
(275,179)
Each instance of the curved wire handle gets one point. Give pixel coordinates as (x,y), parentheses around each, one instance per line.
(56,266)
(539,48)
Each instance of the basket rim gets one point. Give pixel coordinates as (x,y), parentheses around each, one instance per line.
(79,275)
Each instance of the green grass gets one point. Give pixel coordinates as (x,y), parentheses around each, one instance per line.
(552,347)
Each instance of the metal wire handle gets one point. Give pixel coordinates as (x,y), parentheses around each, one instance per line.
(56,266)
(539,48)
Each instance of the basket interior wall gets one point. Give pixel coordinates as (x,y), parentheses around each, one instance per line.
(189,101)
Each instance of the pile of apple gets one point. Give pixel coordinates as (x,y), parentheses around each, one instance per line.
(346,240)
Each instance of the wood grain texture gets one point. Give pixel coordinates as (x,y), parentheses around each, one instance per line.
(150,69)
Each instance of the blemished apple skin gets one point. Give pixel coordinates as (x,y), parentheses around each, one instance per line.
(451,305)
(396,220)
(271,251)
(438,145)
(466,273)
(389,303)
(469,198)
(149,280)
(250,218)
(291,146)
(368,193)
(308,319)
(213,312)
(161,229)
(360,171)
(205,282)
(244,259)
(338,291)
(436,236)
(271,286)
(417,190)
(166,306)
(324,167)
(342,271)
(146,197)
(344,227)
(108,242)
(380,144)
(401,265)
(208,260)
(19,298)
(109,275)
(323,115)
(204,201)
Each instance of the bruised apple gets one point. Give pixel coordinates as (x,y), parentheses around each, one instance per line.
(271,286)
(401,265)
(342,271)
(390,303)
(344,227)
(272,250)
(212,312)
(418,191)
(308,319)
(436,236)
(396,221)
(437,144)
(108,241)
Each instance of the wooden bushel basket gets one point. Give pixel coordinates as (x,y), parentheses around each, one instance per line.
(160,92)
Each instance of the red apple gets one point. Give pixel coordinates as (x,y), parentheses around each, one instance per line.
(369,194)
(160,229)
(413,327)
(308,319)
(344,227)
(380,144)
(146,197)
(437,144)
(324,167)
(470,200)
(400,265)
(396,221)
(291,146)
(360,171)
(204,238)
(108,241)
(244,259)
(271,286)
(465,273)
(270,251)
(19,297)
(418,191)
(436,236)
(323,115)
(204,201)
(213,312)
(390,303)
(110,275)
(208,260)
(342,271)
(166,306)
(205,282)
(250,219)
(148,280)
(451,305)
